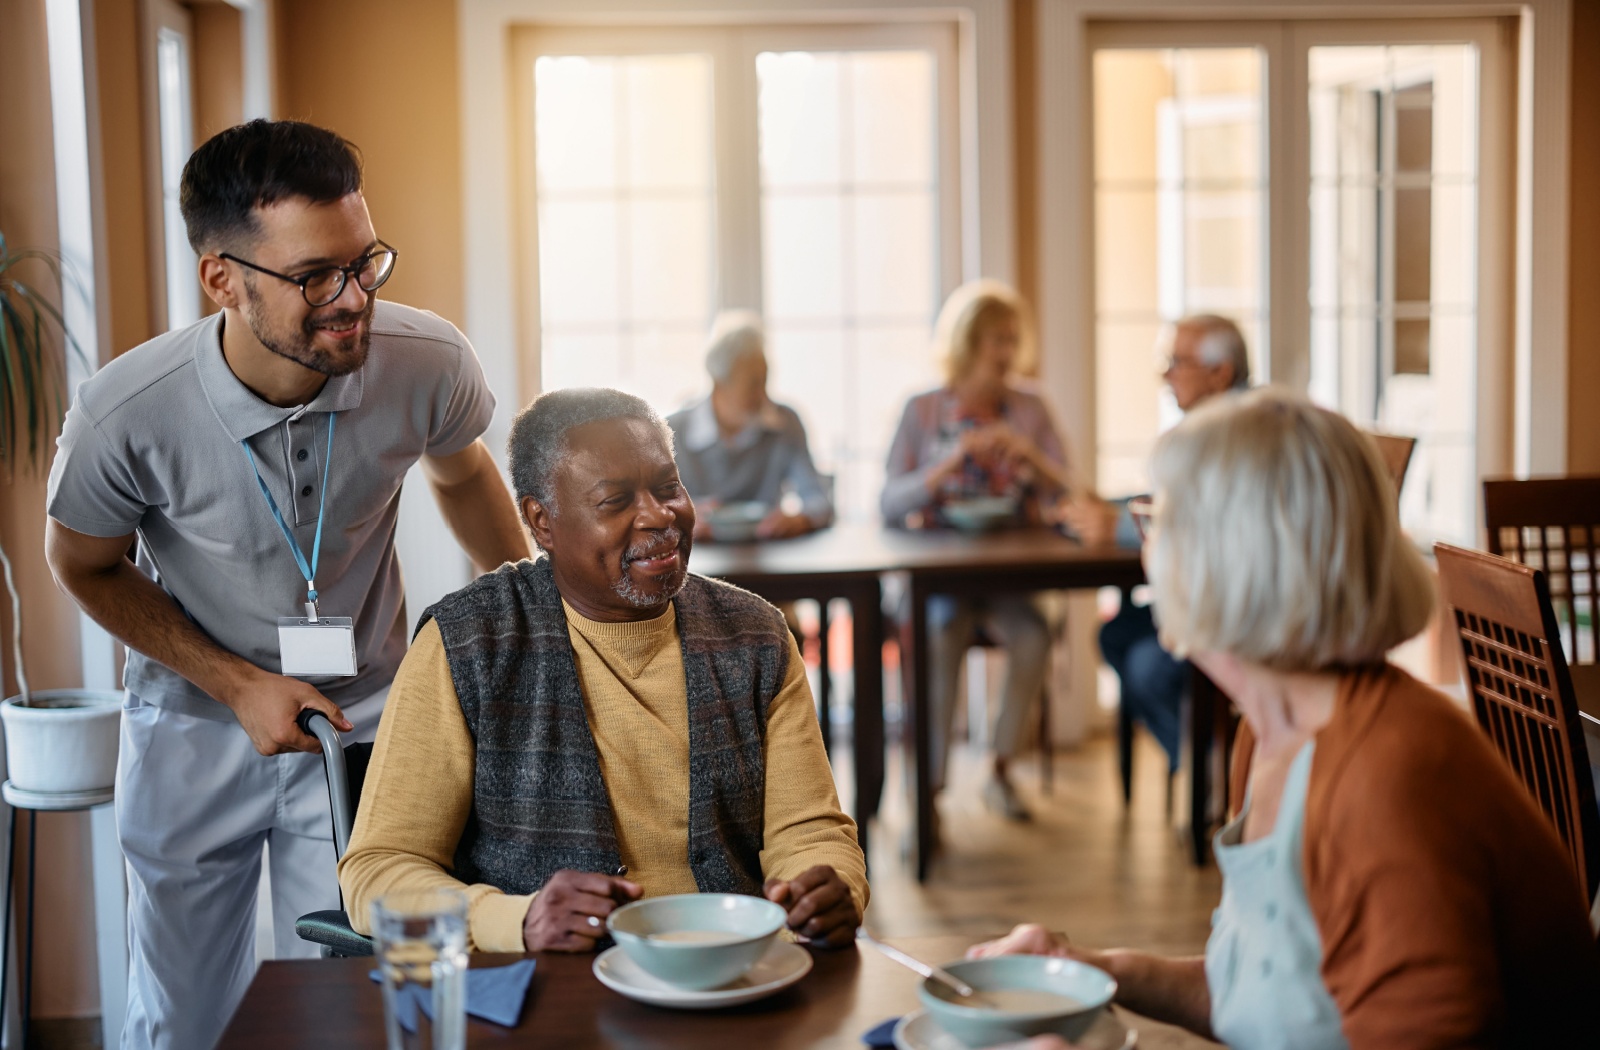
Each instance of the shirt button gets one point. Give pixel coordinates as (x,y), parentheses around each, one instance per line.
(306,491)
(1272,912)
(301,455)
(1266,967)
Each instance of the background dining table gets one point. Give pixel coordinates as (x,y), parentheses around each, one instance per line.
(849,561)
(333,1003)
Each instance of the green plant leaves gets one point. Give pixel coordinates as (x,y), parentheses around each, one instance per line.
(33,395)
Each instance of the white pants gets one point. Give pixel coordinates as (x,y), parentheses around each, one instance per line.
(195,804)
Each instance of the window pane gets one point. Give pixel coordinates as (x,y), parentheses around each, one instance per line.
(627,233)
(849,191)
(1180,199)
(1393,260)
(177,141)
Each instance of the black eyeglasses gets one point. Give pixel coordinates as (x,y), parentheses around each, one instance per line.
(321,287)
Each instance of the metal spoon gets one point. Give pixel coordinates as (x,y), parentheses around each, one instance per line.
(944,977)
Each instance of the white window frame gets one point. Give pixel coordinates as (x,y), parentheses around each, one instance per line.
(740,259)
(495,319)
(158,17)
(1532,361)
(1286,148)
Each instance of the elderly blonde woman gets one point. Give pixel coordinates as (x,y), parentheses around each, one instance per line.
(980,434)
(1387,882)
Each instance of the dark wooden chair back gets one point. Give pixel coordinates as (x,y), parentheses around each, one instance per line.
(1521,691)
(1553,524)
(1396,452)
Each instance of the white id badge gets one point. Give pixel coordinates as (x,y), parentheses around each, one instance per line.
(314,648)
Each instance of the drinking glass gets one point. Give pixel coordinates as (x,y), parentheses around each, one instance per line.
(420,939)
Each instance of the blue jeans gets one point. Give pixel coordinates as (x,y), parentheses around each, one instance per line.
(1153,679)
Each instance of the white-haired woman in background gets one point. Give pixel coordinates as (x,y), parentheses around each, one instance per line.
(1387,883)
(980,434)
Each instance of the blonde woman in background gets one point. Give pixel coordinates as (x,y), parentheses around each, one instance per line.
(1387,882)
(980,434)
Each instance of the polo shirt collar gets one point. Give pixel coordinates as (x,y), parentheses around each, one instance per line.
(701,430)
(241,412)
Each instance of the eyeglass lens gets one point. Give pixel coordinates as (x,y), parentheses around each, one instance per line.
(324,286)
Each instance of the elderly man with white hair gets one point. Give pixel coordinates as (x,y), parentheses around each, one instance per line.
(1206,357)
(737,446)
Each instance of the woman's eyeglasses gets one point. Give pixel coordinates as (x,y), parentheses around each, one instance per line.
(1142,509)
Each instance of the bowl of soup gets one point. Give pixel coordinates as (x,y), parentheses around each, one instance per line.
(736,522)
(1018,997)
(981,513)
(697,941)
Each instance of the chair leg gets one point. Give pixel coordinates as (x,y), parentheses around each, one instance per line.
(824,679)
(1047,748)
(1125,753)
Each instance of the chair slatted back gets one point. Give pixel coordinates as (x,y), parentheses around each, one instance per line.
(1553,524)
(1521,691)
(1396,452)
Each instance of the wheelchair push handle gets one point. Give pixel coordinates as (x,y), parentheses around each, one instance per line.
(314,723)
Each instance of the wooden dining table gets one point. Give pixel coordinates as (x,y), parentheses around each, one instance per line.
(333,1003)
(848,561)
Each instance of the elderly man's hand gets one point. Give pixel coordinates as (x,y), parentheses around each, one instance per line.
(569,913)
(778,525)
(820,906)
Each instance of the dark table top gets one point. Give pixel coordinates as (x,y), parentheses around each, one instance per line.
(333,1003)
(863,550)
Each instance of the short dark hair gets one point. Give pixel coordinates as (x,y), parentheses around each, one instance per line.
(539,434)
(255,165)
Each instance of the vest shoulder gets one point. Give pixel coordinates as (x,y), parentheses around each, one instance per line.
(490,595)
(735,608)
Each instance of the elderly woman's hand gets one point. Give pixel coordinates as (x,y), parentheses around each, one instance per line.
(1027,939)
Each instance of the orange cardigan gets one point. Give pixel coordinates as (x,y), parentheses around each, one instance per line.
(1449,913)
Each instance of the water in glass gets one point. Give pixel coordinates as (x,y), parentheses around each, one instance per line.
(420,939)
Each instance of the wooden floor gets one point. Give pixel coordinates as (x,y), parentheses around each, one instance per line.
(1107,875)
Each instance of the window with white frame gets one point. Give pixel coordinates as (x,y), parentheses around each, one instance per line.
(806,173)
(1348,225)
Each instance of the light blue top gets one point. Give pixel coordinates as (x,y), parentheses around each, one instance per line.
(1264,958)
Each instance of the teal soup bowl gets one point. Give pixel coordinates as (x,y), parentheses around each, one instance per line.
(696,941)
(1019,996)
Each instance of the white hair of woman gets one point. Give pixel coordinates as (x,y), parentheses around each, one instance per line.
(735,335)
(1276,538)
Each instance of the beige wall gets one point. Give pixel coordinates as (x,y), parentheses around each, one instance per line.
(1583,332)
(382,73)
(64,975)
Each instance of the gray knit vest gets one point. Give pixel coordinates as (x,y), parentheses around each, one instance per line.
(539,803)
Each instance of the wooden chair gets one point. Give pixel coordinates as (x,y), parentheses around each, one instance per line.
(1553,524)
(1521,690)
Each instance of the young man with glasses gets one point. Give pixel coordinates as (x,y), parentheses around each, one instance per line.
(257,457)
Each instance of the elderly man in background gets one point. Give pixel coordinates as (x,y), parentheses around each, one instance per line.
(599,712)
(1206,356)
(737,446)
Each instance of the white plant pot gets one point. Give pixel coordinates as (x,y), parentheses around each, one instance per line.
(65,742)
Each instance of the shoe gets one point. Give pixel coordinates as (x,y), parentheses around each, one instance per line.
(1001,798)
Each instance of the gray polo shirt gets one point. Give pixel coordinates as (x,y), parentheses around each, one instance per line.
(152,444)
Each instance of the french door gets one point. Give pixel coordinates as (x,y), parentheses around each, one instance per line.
(1343,191)
(810,173)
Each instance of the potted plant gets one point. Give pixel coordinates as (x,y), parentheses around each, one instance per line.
(58,741)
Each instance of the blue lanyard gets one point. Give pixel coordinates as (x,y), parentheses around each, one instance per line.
(308,571)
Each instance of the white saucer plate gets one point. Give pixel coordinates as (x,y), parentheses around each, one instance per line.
(783,965)
(918,1031)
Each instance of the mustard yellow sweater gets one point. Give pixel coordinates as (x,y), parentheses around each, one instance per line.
(418,790)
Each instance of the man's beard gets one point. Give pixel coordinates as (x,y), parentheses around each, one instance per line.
(664,540)
(301,348)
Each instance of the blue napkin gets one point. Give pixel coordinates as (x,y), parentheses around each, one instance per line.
(881,1037)
(494,994)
